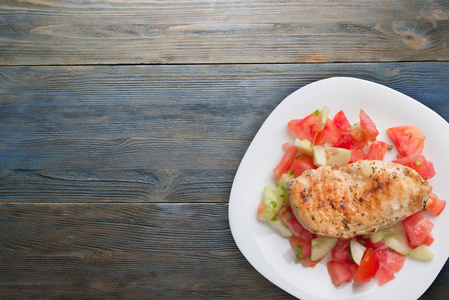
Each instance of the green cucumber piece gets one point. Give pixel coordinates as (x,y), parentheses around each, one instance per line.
(272,204)
(398,242)
(386,233)
(319,155)
(357,251)
(422,252)
(321,246)
(304,146)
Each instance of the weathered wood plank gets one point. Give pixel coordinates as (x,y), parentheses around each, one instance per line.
(38,32)
(156,133)
(132,251)
(157,251)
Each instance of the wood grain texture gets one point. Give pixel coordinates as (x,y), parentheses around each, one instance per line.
(58,32)
(132,251)
(156,133)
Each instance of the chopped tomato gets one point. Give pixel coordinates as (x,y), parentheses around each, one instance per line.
(330,134)
(304,128)
(392,260)
(375,246)
(311,263)
(368,267)
(286,161)
(341,121)
(429,240)
(340,252)
(418,228)
(409,139)
(339,272)
(384,275)
(290,220)
(435,205)
(302,248)
(260,209)
(301,164)
(419,164)
(357,151)
(377,150)
(368,125)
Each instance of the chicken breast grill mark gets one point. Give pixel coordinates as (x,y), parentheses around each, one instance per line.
(356,199)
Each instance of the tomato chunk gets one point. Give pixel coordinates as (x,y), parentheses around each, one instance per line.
(290,220)
(419,164)
(339,272)
(340,252)
(330,134)
(435,205)
(392,260)
(302,248)
(409,139)
(429,240)
(418,228)
(304,128)
(286,161)
(301,164)
(377,150)
(341,121)
(368,267)
(384,275)
(368,125)
(375,246)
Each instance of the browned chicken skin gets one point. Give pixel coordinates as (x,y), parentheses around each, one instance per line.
(359,198)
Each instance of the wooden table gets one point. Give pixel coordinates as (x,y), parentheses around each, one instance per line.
(122,124)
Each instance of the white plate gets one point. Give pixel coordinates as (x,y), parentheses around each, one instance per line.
(270,254)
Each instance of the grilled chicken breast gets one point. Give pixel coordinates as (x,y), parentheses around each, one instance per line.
(356,199)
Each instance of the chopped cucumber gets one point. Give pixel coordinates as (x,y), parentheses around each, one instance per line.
(280,227)
(386,233)
(398,242)
(319,155)
(284,178)
(322,117)
(337,156)
(271,204)
(357,251)
(422,252)
(321,246)
(282,195)
(304,146)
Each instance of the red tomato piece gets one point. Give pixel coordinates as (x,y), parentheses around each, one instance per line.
(311,263)
(302,248)
(340,252)
(419,164)
(418,228)
(330,134)
(392,260)
(368,125)
(409,139)
(301,164)
(341,121)
(377,150)
(375,246)
(429,240)
(384,275)
(339,272)
(290,220)
(304,128)
(357,151)
(368,267)
(286,161)
(435,205)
